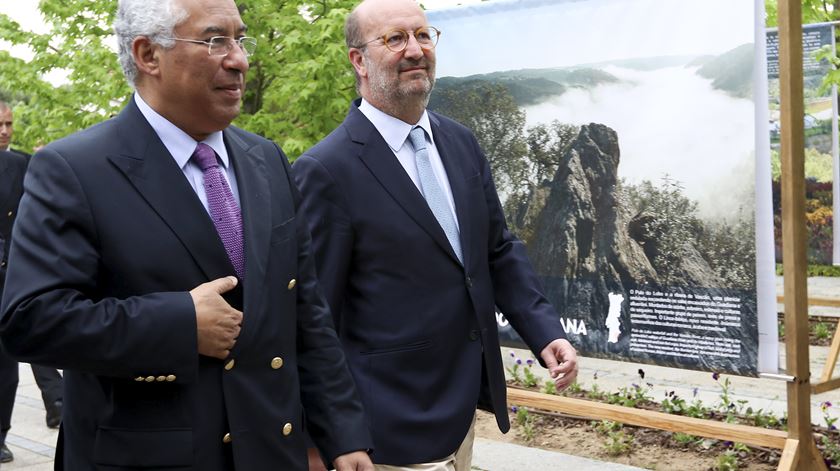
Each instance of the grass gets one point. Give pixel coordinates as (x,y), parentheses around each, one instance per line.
(815,270)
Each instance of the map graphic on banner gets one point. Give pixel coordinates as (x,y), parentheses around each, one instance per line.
(622,137)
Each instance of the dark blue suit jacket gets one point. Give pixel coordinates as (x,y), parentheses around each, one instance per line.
(418,328)
(109,240)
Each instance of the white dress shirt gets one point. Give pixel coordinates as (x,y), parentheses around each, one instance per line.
(395,132)
(182,146)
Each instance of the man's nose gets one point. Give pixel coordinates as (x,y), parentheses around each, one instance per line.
(412,48)
(236,59)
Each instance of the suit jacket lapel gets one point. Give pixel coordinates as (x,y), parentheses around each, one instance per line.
(449,154)
(255,201)
(380,160)
(151,169)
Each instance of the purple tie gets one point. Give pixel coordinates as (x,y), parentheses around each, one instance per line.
(223,208)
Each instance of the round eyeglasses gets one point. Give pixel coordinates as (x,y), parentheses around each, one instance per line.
(397,40)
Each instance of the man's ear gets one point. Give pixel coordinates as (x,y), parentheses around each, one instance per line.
(146,55)
(358,61)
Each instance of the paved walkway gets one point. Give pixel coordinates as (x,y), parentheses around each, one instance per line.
(34,444)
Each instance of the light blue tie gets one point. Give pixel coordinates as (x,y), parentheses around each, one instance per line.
(432,191)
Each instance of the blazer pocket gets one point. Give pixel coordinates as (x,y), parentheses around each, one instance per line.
(407,347)
(144,448)
(283,231)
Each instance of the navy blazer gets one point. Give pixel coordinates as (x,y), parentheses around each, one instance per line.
(419,329)
(109,239)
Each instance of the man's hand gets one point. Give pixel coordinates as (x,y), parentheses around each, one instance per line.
(217,322)
(355,461)
(561,359)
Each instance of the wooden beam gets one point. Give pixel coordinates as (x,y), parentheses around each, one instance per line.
(831,359)
(790,456)
(824,386)
(794,237)
(827,302)
(643,418)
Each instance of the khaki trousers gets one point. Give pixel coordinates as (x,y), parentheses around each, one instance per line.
(461,460)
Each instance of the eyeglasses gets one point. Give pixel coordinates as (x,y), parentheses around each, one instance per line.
(397,40)
(222,45)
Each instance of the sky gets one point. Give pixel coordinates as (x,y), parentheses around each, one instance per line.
(558,33)
(26,13)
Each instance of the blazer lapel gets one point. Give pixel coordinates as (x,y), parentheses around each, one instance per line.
(255,202)
(449,153)
(380,160)
(152,171)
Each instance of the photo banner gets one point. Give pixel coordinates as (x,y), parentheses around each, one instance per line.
(622,139)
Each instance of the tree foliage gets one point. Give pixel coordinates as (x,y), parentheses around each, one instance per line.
(299,86)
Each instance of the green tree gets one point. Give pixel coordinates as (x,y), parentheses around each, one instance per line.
(489,110)
(299,85)
(813,11)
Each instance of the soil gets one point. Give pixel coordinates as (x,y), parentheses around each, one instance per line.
(651,449)
(830,322)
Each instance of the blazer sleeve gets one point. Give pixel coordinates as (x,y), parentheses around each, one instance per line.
(517,290)
(52,312)
(334,412)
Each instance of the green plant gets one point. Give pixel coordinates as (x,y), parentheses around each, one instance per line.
(605,427)
(595,392)
(632,396)
(728,461)
(618,443)
(549,388)
(525,421)
(530,380)
(574,389)
(685,439)
(822,330)
(760,418)
(831,449)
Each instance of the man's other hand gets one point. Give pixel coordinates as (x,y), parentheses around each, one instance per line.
(560,358)
(355,461)
(217,322)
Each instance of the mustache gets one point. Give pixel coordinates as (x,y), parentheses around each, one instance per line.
(413,64)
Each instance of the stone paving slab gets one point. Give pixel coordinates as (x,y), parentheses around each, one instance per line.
(489,455)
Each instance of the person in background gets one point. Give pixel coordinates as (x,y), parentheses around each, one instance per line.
(7,130)
(414,254)
(12,169)
(161,260)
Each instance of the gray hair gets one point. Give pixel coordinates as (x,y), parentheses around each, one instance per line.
(353,37)
(154,19)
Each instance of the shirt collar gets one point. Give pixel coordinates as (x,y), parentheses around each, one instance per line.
(176,141)
(394,130)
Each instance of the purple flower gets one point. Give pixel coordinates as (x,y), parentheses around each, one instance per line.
(514,409)
(512,354)
(530,362)
(832,427)
(635,386)
(727,444)
(825,405)
(518,361)
(715,376)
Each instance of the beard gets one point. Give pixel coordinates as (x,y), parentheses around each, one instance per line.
(388,89)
